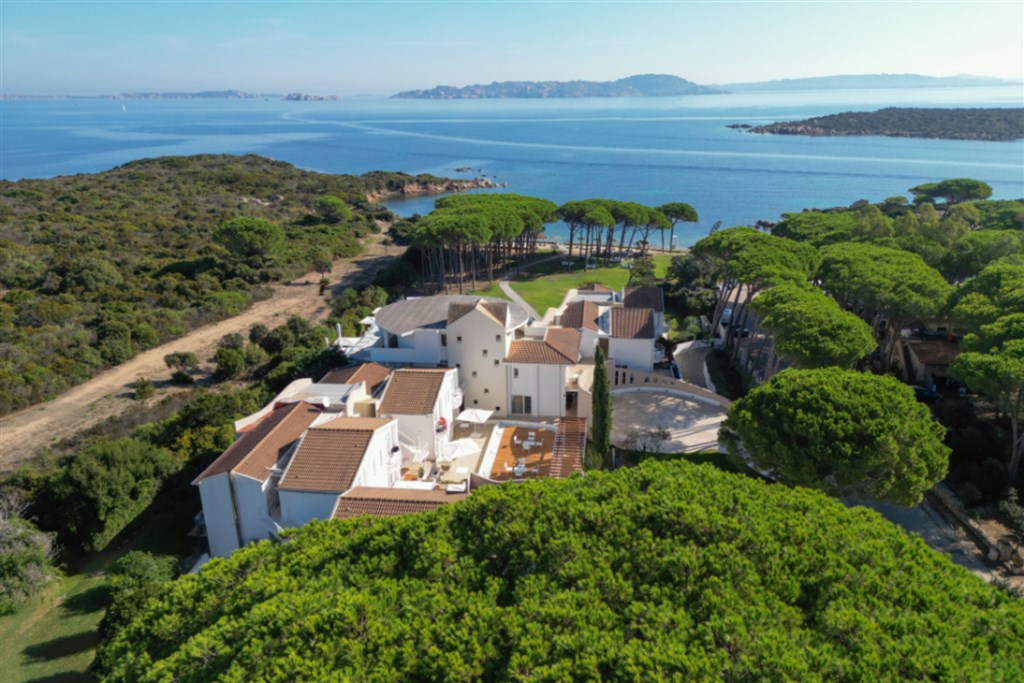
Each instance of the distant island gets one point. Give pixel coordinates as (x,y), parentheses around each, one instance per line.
(864,81)
(947,124)
(644,85)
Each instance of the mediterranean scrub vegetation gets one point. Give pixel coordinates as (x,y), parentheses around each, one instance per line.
(99,267)
(663,571)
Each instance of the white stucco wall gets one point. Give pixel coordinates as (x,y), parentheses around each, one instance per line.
(302,507)
(374,469)
(219,513)
(251,501)
(480,333)
(545,384)
(636,354)
(417,430)
(588,343)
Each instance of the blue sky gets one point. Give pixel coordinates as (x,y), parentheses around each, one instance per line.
(85,47)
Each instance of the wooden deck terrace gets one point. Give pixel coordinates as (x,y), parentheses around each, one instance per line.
(527,448)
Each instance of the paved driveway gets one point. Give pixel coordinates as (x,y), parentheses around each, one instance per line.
(693,426)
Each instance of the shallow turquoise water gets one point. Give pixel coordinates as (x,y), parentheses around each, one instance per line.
(650,150)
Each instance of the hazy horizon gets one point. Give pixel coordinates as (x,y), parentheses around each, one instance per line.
(54,47)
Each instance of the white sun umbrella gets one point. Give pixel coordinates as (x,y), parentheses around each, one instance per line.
(475,415)
(459,448)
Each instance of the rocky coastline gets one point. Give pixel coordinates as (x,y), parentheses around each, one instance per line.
(995,124)
(420,188)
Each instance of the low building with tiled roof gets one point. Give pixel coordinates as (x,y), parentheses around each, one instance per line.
(389,502)
(233,488)
(425,403)
(332,458)
(537,371)
(926,361)
(581,315)
(644,297)
(647,297)
(631,343)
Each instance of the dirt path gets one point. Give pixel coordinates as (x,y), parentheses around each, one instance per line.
(109,393)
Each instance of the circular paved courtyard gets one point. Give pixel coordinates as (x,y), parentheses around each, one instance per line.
(693,426)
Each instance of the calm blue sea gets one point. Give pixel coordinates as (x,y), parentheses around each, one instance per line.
(647,150)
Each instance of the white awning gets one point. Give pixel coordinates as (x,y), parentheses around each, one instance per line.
(475,415)
(459,449)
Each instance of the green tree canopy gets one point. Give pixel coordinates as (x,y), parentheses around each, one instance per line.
(332,209)
(991,305)
(809,328)
(817,227)
(843,432)
(248,237)
(954,191)
(972,252)
(878,281)
(665,571)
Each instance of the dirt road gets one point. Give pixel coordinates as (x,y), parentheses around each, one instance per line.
(109,393)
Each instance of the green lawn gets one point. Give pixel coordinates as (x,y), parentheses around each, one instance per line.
(53,637)
(544,285)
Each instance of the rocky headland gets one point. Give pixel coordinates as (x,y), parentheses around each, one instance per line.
(997,124)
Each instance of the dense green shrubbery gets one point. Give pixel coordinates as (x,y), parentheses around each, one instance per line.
(101,266)
(104,487)
(26,557)
(665,571)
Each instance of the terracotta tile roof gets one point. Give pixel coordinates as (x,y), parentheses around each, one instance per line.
(496,310)
(565,341)
(594,287)
(581,315)
(561,346)
(570,443)
(412,391)
(372,374)
(329,456)
(632,323)
(934,351)
(381,502)
(644,297)
(259,448)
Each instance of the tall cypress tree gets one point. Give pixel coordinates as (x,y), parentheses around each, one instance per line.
(601,430)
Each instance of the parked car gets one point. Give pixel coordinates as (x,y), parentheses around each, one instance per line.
(726,316)
(925,395)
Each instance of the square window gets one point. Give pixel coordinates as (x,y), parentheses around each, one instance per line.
(497,409)
(485,353)
(497,337)
(458,339)
(475,402)
(458,365)
(496,362)
(474,373)
(487,391)
(515,373)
